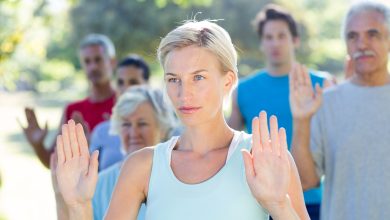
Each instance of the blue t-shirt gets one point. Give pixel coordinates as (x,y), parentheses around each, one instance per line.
(104,188)
(108,145)
(262,91)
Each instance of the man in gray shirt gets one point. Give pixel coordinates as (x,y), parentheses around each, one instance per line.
(344,134)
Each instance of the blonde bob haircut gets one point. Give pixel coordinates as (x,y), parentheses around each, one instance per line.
(135,96)
(204,34)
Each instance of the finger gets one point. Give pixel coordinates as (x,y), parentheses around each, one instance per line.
(32,118)
(77,117)
(318,95)
(291,78)
(256,142)
(307,76)
(283,143)
(274,135)
(300,75)
(264,133)
(83,144)
(46,127)
(248,163)
(93,167)
(73,138)
(66,142)
(60,150)
(53,163)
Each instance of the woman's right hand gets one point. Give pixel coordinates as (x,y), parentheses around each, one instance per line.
(77,172)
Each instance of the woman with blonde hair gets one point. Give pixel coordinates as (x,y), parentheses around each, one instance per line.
(202,173)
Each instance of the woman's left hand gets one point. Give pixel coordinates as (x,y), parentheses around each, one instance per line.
(267,166)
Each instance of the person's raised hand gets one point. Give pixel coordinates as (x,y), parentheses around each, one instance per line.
(267,166)
(77,171)
(304,100)
(34,133)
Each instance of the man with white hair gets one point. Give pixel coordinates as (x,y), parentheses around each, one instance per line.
(97,58)
(344,133)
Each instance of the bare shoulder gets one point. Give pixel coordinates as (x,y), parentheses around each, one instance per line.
(137,167)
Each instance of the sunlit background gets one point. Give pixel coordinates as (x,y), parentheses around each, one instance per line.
(39,65)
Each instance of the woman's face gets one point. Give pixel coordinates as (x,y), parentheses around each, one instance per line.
(196,84)
(140,129)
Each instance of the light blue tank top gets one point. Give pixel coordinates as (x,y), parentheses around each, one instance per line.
(262,91)
(225,196)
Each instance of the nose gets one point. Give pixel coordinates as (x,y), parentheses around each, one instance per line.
(133,131)
(362,43)
(185,91)
(92,66)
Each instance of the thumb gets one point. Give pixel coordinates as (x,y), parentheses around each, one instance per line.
(318,95)
(248,162)
(93,166)
(46,127)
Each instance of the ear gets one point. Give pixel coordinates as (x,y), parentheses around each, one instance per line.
(113,62)
(230,78)
(296,42)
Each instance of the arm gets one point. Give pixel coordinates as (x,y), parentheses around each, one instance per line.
(270,171)
(236,121)
(76,171)
(295,191)
(304,104)
(301,152)
(35,136)
(131,189)
(62,211)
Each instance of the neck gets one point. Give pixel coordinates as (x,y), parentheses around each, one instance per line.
(279,70)
(100,92)
(378,78)
(214,134)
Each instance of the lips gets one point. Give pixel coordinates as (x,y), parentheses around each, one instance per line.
(188,109)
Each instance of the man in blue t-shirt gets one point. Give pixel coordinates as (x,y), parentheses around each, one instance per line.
(268,89)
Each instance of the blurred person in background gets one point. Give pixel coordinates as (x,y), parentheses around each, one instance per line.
(268,89)
(131,71)
(141,118)
(97,58)
(343,135)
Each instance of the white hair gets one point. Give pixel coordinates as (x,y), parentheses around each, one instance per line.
(99,39)
(136,95)
(365,6)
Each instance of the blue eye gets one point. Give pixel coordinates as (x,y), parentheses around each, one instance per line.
(198,77)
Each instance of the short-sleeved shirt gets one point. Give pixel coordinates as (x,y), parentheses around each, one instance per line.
(104,188)
(350,144)
(92,112)
(109,145)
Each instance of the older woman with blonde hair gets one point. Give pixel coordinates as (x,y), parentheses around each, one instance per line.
(202,173)
(140,118)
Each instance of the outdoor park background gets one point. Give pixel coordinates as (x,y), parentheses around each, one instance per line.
(39,65)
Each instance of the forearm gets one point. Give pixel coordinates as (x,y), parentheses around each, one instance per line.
(300,150)
(81,212)
(43,154)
